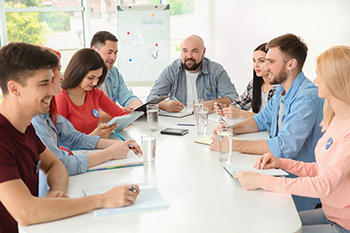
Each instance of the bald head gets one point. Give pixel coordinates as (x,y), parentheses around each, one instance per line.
(192,53)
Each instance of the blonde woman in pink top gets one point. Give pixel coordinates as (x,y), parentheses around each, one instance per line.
(329,177)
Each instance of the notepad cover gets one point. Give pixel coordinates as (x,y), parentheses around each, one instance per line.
(174,131)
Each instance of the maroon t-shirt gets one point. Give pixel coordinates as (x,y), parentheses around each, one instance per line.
(19,156)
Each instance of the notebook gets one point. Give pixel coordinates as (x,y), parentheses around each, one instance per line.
(154,101)
(148,199)
(184,112)
(208,141)
(224,120)
(131,160)
(249,167)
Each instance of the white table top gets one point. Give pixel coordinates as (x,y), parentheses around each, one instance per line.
(202,195)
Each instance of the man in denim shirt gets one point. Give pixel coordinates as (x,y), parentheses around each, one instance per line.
(293,115)
(193,77)
(106,44)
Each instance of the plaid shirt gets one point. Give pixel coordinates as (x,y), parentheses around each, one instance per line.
(244,101)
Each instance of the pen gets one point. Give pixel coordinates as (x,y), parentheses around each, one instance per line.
(118,135)
(210,95)
(219,106)
(132,189)
(176,99)
(186,124)
(228,127)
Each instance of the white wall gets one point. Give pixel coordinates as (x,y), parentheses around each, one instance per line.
(241,25)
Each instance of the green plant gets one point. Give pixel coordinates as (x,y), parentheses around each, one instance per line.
(25,26)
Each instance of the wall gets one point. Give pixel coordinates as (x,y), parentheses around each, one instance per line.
(241,25)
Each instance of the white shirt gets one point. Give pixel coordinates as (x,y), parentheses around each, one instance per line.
(264,99)
(191,88)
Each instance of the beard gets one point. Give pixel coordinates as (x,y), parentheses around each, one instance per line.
(193,67)
(281,77)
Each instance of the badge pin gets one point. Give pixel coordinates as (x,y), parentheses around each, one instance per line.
(329,143)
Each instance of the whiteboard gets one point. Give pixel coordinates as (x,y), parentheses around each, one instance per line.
(144,42)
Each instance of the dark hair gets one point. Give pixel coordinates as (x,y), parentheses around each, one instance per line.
(257,83)
(99,39)
(291,46)
(83,61)
(19,61)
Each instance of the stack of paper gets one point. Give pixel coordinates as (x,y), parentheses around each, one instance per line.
(148,199)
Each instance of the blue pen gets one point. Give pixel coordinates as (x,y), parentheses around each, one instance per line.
(228,127)
(220,106)
(118,135)
(210,95)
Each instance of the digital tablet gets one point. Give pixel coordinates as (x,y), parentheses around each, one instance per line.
(154,101)
(125,121)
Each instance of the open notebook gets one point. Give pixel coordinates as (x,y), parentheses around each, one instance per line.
(148,199)
(224,120)
(249,167)
(184,112)
(131,160)
(208,141)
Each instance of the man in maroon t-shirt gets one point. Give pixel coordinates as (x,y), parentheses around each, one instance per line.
(26,83)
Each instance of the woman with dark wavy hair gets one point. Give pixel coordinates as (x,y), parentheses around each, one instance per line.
(258,93)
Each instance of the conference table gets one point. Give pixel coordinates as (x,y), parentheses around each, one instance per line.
(202,196)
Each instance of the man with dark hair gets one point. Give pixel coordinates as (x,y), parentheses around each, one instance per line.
(106,44)
(193,77)
(26,81)
(292,116)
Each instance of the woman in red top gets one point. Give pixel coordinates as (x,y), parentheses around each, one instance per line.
(80,99)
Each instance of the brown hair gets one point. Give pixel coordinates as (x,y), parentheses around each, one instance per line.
(19,61)
(99,39)
(291,46)
(83,61)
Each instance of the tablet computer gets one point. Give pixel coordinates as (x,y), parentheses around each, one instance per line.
(154,101)
(125,120)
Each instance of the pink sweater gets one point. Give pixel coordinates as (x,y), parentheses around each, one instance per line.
(82,117)
(327,179)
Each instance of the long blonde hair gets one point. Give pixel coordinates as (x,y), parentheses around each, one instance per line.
(333,70)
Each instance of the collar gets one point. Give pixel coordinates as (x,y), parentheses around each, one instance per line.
(293,89)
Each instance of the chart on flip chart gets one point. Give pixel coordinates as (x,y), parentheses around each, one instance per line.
(144,42)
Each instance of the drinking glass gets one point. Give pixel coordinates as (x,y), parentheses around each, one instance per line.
(152,116)
(202,120)
(224,144)
(148,143)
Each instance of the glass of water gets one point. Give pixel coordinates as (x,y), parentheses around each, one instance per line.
(148,143)
(152,116)
(197,104)
(224,144)
(202,120)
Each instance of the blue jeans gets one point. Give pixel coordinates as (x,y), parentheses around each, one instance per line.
(314,221)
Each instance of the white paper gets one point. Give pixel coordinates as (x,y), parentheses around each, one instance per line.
(148,199)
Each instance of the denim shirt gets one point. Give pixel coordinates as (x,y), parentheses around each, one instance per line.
(117,89)
(303,113)
(67,137)
(212,82)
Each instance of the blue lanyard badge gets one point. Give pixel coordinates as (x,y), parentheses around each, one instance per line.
(37,167)
(95,113)
(329,143)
